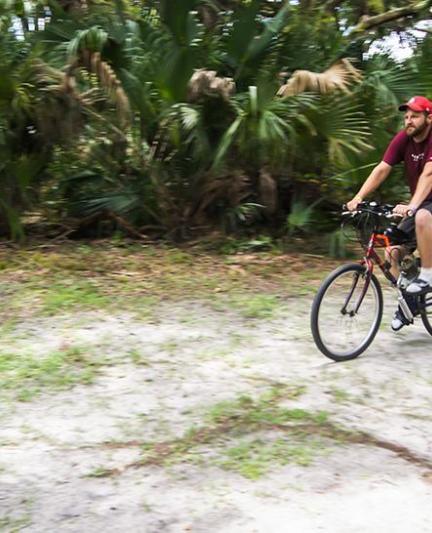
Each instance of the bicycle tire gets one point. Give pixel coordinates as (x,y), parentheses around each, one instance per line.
(424,299)
(373,291)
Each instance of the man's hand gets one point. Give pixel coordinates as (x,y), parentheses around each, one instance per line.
(352,204)
(404,210)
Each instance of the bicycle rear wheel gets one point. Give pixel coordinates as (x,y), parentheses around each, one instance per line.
(346,312)
(425,301)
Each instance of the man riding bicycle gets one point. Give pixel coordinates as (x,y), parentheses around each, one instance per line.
(413,147)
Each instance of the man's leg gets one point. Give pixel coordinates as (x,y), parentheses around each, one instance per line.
(423,283)
(394,255)
(423,221)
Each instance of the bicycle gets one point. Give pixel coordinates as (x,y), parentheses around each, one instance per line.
(347,309)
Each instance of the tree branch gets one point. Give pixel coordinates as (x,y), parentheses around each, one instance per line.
(429,31)
(367,23)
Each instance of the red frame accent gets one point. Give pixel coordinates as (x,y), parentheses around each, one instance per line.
(371,257)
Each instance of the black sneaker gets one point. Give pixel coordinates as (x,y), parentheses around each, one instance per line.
(399,320)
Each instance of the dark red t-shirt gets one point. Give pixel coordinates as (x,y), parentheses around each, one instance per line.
(414,155)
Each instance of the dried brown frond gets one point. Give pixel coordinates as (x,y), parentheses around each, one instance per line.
(109,82)
(43,73)
(206,83)
(338,77)
(59,112)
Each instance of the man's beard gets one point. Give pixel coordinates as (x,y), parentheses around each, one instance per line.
(416,131)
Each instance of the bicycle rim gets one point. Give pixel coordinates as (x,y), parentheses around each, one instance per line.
(426,312)
(346,312)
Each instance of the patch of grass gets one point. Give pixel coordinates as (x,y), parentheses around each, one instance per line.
(170,346)
(245,403)
(265,410)
(14,525)
(340,395)
(259,306)
(264,441)
(306,291)
(253,459)
(53,261)
(231,245)
(100,471)
(138,358)
(66,297)
(143,307)
(179,257)
(25,375)
(8,326)
(155,271)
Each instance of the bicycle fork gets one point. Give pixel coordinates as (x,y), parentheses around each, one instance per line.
(361,295)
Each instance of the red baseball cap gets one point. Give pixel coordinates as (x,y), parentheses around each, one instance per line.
(417,103)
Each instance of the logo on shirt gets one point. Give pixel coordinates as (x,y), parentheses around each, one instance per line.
(417,157)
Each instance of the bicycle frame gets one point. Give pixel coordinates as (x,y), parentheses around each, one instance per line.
(371,257)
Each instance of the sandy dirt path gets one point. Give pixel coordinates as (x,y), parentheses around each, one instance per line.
(298,443)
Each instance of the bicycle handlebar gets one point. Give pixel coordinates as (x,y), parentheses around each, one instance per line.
(381,210)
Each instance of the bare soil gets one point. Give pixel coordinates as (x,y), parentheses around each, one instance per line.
(194,412)
(298,444)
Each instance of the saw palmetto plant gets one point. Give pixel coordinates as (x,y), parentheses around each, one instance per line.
(172,115)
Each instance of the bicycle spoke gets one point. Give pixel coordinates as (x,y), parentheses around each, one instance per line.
(347,313)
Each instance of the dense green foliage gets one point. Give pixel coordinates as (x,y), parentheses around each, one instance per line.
(228,112)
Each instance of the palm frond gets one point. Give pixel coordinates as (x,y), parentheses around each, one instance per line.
(390,83)
(265,130)
(340,120)
(339,77)
(92,39)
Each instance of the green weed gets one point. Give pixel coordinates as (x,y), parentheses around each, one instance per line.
(53,279)
(99,471)
(14,525)
(244,417)
(178,257)
(234,246)
(138,358)
(265,408)
(170,346)
(253,459)
(64,298)
(259,306)
(26,375)
(340,395)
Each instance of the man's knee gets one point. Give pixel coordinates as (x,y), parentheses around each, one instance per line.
(423,219)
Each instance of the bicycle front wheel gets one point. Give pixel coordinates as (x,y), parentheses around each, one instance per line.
(425,301)
(346,312)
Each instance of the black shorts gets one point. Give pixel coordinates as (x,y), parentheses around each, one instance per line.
(408,223)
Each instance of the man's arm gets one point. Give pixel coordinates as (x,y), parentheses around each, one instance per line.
(424,187)
(374,180)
